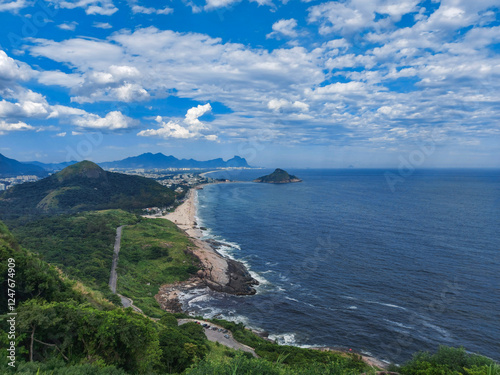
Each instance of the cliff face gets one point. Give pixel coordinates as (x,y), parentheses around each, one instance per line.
(279,176)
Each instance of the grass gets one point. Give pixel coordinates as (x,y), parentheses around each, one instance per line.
(153,253)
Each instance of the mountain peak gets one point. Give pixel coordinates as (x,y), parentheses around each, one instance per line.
(84,168)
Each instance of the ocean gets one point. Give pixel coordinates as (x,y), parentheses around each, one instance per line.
(358,259)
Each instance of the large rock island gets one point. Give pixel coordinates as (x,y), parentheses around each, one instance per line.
(279,176)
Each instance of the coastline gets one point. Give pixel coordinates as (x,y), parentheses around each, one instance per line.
(218,273)
(216,270)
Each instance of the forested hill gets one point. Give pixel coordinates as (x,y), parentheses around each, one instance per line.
(80,187)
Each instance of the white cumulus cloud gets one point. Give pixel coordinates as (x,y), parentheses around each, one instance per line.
(190,128)
(284,28)
(114,120)
(279,105)
(102,25)
(13,6)
(147,10)
(6,126)
(101,7)
(70,26)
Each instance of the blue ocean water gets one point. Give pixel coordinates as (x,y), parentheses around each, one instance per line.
(346,261)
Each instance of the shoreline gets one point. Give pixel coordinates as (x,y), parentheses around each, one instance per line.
(216,269)
(218,273)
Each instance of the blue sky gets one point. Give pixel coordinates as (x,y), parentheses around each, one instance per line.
(367,83)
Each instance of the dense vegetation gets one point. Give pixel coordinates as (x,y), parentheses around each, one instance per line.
(153,252)
(81,187)
(81,245)
(62,325)
(448,361)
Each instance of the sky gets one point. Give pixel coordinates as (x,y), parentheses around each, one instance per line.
(289,83)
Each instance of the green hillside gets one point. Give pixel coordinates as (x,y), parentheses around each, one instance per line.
(153,252)
(80,244)
(81,187)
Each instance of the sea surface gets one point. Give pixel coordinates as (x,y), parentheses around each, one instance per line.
(369,260)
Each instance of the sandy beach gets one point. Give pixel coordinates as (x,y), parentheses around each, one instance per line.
(217,272)
(184,215)
(184,218)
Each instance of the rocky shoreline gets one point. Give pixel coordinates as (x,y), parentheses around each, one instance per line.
(217,272)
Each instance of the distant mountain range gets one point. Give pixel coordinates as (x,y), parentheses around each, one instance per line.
(161,161)
(11,167)
(84,186)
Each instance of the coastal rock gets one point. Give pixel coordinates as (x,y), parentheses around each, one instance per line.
(168,295)
(238,279)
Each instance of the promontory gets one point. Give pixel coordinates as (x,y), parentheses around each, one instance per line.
(279,176)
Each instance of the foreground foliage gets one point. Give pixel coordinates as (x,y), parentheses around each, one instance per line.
(449,361)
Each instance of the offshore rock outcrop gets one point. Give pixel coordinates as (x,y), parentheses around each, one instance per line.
(279,176)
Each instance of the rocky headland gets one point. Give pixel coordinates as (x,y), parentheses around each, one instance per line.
(217,272)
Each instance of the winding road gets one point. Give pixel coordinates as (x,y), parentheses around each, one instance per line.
(114,277)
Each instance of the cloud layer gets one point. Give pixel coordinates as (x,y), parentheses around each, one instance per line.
(370,73)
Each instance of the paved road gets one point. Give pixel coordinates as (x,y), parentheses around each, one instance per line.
(127,302)
(217,336)
(113,278)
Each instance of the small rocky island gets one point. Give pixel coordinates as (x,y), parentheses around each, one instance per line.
(279,176)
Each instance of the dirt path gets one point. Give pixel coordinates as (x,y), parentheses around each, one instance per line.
(114,277)
(218,336)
